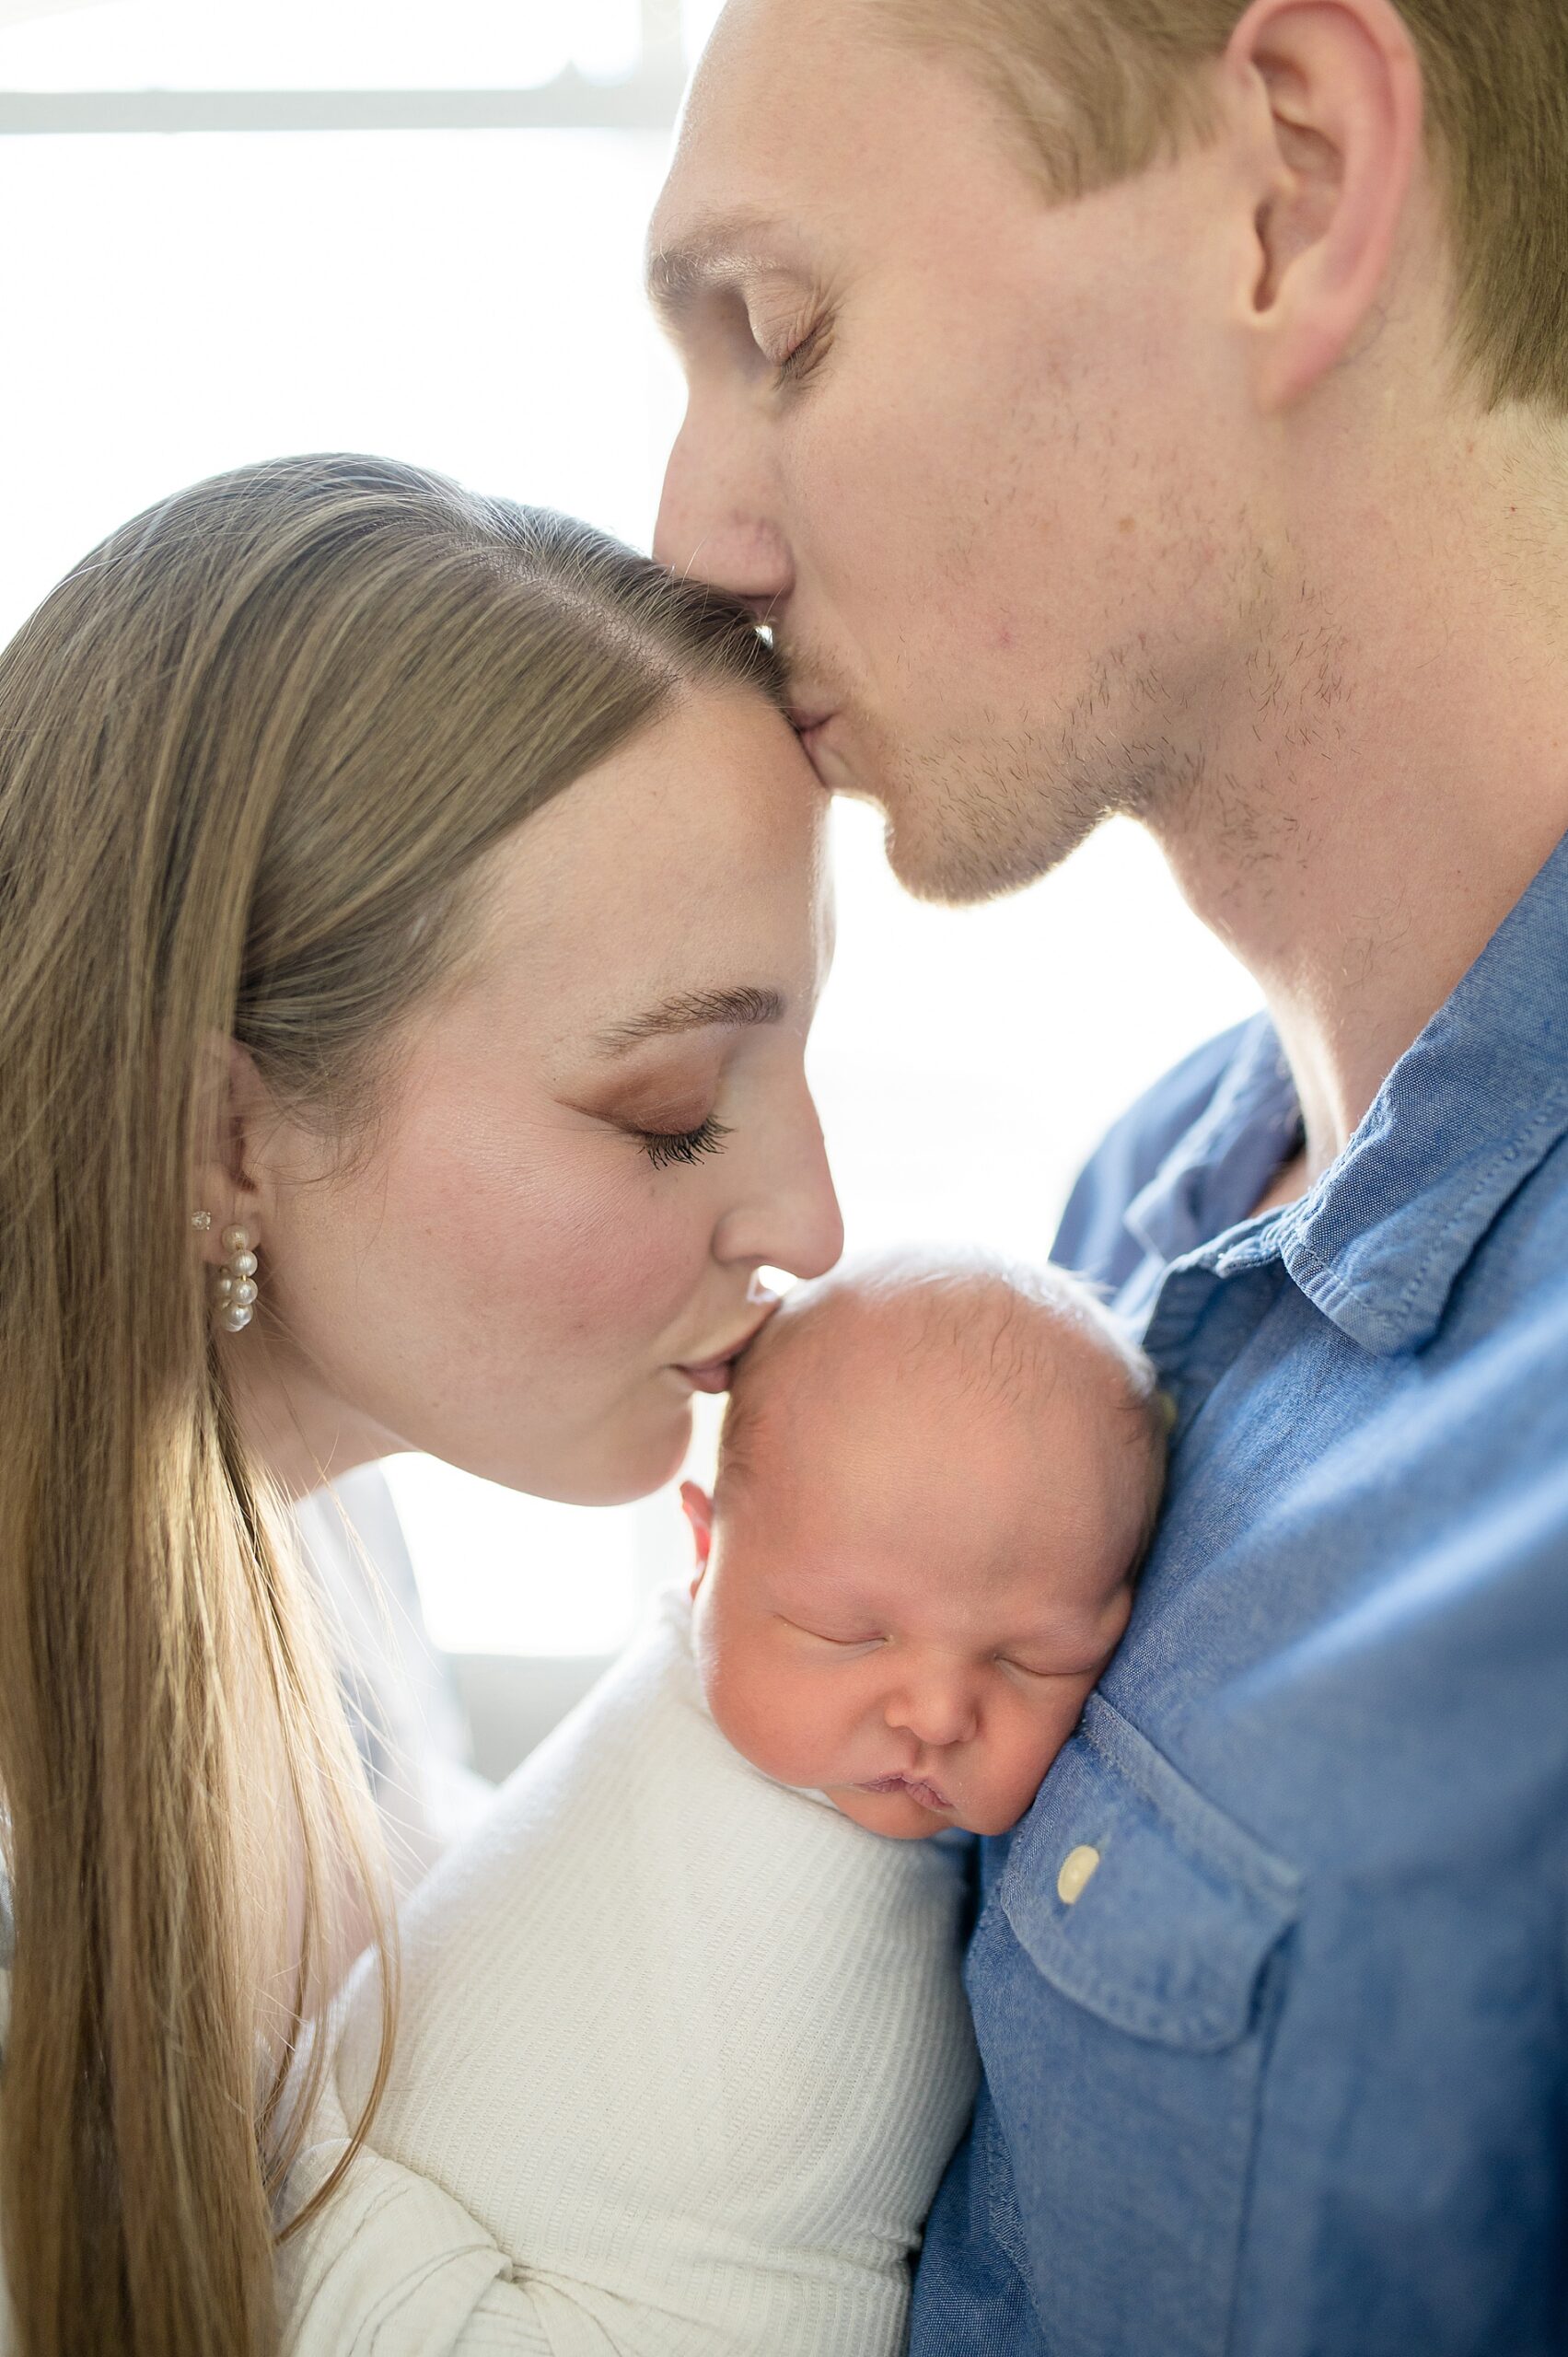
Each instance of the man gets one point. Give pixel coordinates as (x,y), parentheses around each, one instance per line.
(1160,406)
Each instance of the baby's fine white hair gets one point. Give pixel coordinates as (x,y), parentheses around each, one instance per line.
(999,1325)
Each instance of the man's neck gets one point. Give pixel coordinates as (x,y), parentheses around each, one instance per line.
(1364,845)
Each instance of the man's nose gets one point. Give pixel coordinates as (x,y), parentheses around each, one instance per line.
(936,1708)
(714,524)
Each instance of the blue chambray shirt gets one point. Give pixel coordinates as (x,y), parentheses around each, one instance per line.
(1288,2077)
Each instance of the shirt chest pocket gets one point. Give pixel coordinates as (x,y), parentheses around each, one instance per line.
(1121,1980)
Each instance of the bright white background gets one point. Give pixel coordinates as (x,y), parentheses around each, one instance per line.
(470,301)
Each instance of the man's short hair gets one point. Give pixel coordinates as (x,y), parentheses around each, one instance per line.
(1105,87)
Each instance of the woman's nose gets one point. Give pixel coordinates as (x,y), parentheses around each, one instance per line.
(713,526)
(794,1221)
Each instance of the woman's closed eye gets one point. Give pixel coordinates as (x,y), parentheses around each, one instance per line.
(664,1147)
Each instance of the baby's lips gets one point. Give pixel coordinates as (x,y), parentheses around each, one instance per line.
(915,1786)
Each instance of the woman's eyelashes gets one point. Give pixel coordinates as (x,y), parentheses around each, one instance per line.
(664,1147)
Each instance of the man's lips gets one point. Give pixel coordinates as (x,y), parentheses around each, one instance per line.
(808,723)
(917,1790)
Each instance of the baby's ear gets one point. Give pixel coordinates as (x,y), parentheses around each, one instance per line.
(698,1508)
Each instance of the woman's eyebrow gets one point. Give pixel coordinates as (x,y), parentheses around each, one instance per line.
(693,1011)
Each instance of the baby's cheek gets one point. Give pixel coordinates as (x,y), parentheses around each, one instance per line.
(1019,1778)
(767,1717)
(737,1699)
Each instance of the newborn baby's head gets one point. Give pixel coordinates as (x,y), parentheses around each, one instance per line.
(935,1485)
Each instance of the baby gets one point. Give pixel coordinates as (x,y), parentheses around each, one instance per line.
(935,1484)
(683,2048)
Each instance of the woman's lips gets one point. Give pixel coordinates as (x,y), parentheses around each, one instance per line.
(711,1375)
(926,1794)
(714,1375)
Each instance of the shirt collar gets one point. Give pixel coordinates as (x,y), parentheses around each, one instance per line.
(1215,1173)
(1461,1121)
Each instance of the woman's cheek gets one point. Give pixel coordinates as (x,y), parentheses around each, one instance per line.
(557,1233)
(610,1255)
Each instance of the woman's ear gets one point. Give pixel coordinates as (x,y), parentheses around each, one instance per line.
(1339,83)
(233,1103)
(698,1508)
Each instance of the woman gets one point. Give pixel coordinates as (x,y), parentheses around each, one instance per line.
(320,981)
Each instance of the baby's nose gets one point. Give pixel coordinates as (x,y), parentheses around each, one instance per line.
(937,1712)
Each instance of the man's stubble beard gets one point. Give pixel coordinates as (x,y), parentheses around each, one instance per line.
(968,821)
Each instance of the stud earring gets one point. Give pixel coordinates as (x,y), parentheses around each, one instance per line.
(235,1295)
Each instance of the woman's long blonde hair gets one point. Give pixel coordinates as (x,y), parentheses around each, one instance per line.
(254,750)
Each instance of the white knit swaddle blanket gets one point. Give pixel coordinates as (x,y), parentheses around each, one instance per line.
(683,2054)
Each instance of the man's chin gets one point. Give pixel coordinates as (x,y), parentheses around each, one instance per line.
(953,870)
(950,838)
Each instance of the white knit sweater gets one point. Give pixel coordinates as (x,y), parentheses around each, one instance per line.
(682,2054)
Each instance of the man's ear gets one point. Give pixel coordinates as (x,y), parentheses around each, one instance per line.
(698,1508)
(1339,82)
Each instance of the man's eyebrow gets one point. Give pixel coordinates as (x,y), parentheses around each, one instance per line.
(693,1011)
(724,250)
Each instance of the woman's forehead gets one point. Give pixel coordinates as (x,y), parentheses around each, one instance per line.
(685,872)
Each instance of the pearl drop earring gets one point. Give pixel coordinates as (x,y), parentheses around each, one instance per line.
(235,1292)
